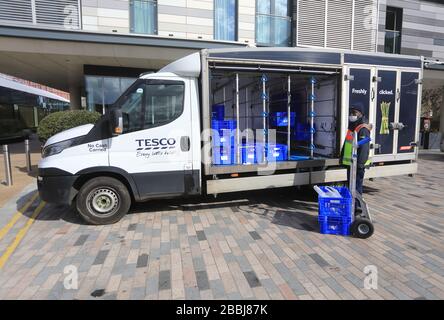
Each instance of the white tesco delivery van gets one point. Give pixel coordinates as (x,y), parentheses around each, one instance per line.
(197,127)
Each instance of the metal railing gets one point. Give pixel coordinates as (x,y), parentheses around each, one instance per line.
(7,162)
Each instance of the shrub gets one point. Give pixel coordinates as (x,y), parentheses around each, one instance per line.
(63,120)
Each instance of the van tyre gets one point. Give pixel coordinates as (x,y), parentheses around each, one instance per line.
(362,228)
(103,200)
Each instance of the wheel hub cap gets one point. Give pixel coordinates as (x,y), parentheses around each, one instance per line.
(104,200)
(363,229)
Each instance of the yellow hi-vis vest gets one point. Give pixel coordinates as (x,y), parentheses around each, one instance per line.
(348,145)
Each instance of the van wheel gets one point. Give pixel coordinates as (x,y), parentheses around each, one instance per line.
(103,200)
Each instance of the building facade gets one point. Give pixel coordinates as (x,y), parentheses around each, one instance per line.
(95,48)
(347,24)
(411,27)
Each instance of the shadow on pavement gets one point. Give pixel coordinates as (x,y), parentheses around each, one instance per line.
(293,207)
(51,212)
(369,190)
(32,173)
(432,156)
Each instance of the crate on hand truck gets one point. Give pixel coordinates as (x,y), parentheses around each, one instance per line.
(342,211)
(335,210)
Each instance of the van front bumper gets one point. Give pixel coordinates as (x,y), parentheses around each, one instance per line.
(56,186)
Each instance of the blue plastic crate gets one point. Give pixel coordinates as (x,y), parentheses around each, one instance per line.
(218,112)
(224,138)
(223,156)
(277,152)
(280,119)
(223,124)
(248,154)
(274,152)
(335,225)
(336,207)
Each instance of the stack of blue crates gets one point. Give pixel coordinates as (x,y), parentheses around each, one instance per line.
(224,151)
(335,216)
(223,142)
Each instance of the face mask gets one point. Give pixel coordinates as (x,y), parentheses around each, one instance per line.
(353,118)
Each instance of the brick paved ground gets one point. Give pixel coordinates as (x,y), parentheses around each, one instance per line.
(263,245)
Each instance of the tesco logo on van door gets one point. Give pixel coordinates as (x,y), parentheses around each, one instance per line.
(156,144)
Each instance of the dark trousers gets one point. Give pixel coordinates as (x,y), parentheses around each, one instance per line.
(359,178)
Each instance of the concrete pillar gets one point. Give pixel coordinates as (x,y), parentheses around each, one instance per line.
(75,97)
(441,122)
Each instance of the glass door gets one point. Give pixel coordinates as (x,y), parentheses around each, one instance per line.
(385,111)
(408,111)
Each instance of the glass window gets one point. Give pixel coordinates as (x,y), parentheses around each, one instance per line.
(225,23)
(151,104)
(393,25)
(273,23)
(94,93)
(390,20)
(263,6)
(102,91)
(132,107)
(111,90)
(281,8)
(164,103)
(143,16)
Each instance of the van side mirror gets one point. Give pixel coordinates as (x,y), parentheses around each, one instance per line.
(116,121)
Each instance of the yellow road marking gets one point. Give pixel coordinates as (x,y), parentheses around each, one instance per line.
(17,216)
(20,235)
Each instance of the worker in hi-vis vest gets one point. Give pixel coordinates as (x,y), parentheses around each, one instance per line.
(357,123)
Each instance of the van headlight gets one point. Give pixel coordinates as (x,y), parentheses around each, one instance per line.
(58,147)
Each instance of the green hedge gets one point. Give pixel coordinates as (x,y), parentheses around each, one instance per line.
(59,121)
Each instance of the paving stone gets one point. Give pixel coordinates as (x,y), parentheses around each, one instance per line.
(199,264)
(81,240)
(142,261)
(252,279)
(255,235)
(132,227)
(202,280)
(192,293)
(164,280)
(217,287)
(101,256)
(201,235)
(319,260)
(137,293)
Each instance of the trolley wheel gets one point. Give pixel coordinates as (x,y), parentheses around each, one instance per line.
(362,228)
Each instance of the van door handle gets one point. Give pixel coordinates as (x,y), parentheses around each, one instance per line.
(185,143)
